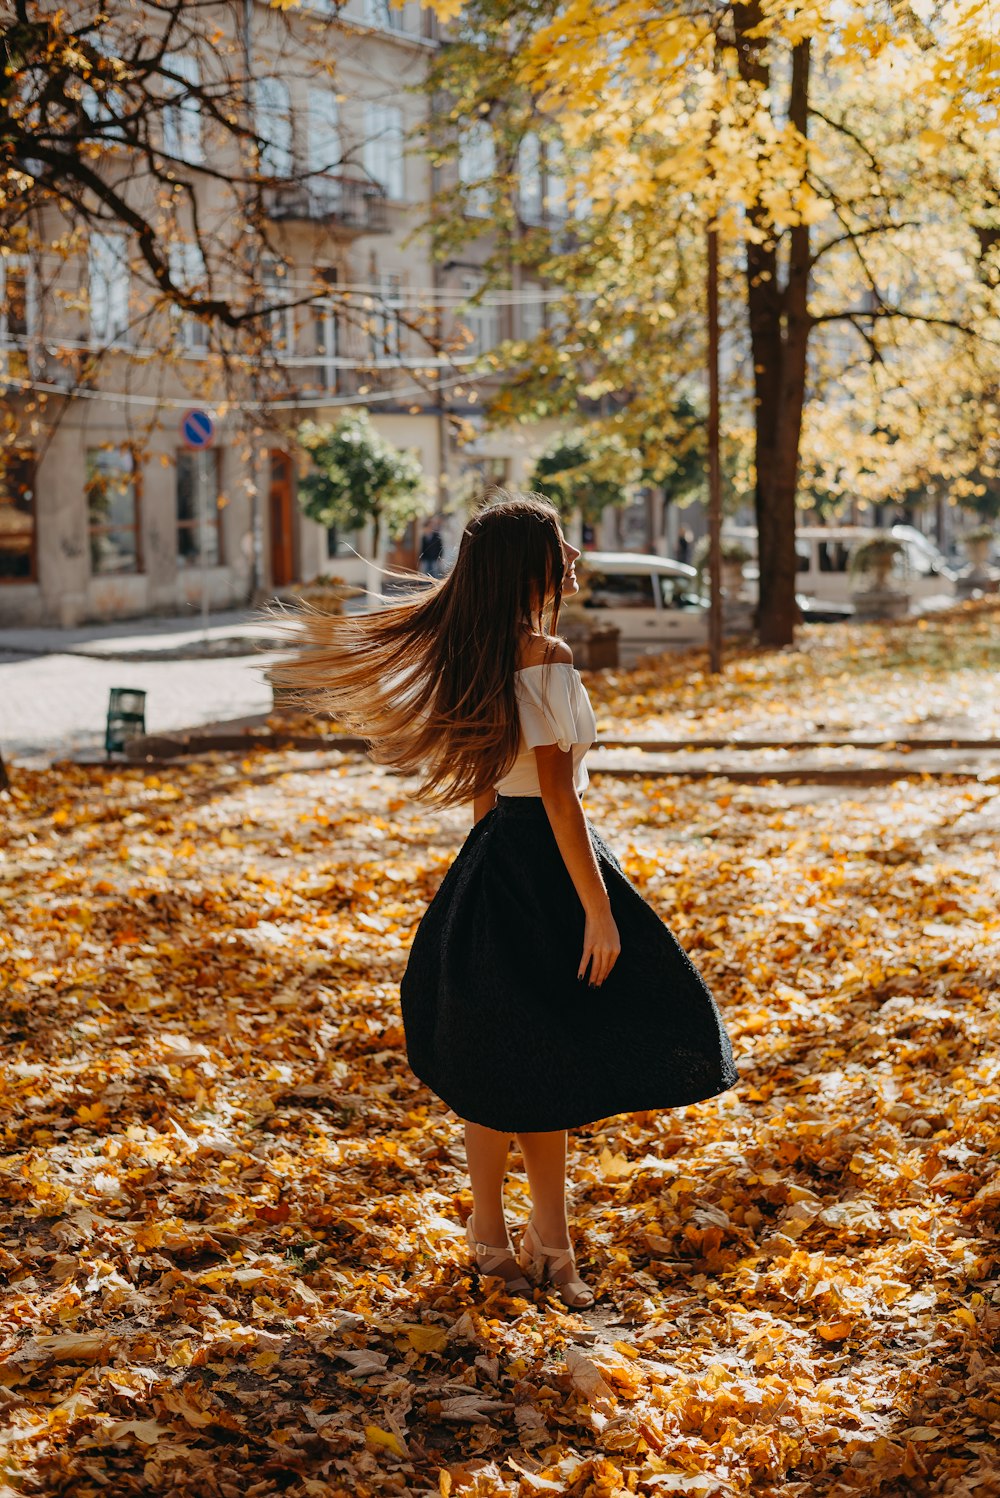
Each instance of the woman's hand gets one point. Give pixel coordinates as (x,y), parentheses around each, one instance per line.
(601,946)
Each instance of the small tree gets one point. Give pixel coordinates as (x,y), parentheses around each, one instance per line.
(357,476)
(586,471)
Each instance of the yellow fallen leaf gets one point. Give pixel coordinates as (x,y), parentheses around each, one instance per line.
(834,1331)
(264,1360)
(383,1440)
(147,1431)
(68,1347)
(426,1338)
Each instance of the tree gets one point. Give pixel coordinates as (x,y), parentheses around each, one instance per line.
(357,476)
(847,163)
(586,471)
(151,133)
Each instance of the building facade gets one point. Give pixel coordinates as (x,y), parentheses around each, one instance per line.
(117,497)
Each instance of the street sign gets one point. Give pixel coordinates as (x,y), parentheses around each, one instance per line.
(197,429)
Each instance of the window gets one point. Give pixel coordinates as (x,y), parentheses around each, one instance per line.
(187,270)
(17,517)
(481,319)
(833,556)
(182,119)
(16,310)
(530,188)
(383,149)
(384,15)
(109,288)
(198,509)
(678,593)
(112,510)
(105,106)
(327,333)
(17,314)
(383,325)
(341,543)
(279,324)
(273,111)
(619,590)
(555,181)
(324,148)
(532,310)
(476,166)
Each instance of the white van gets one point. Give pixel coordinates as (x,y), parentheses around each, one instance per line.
(653,601)
(823,554)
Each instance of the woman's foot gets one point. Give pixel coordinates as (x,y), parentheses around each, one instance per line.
(545,1264)
(498,1260)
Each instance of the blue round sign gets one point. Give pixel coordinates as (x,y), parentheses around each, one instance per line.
(197,429)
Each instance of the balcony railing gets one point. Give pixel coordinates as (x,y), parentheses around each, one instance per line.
(354,204)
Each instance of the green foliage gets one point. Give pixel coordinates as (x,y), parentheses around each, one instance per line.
(587,470)
(357,476)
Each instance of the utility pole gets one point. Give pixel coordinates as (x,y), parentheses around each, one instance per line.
(714,469)
(256,526)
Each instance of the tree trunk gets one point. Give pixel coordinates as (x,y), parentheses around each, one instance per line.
(4,779)
(779,333)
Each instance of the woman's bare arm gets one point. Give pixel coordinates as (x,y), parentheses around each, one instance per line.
(482,804)
(601,942)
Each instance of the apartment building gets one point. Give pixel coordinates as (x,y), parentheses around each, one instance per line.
(109,507)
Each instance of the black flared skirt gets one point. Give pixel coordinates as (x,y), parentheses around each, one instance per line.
(499,1025)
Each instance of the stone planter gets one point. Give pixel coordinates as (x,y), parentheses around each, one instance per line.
(732,578)
(880,603)
(328,596)
(978,577)
(594,645)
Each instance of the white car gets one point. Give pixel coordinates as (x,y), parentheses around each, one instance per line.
(653,601)
(823,555)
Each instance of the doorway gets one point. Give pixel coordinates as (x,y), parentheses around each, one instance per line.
(280,517)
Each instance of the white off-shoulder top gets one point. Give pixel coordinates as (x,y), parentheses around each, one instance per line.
(554,708)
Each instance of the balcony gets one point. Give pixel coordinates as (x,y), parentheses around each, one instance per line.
(354,205)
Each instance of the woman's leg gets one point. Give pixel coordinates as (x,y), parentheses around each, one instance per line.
(486,1153)
(545,1162)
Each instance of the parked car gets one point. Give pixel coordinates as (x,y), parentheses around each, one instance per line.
(823,555)
(653,601)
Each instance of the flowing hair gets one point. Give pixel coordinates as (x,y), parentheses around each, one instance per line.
(429,682)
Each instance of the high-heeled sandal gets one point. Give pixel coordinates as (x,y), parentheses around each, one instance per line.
(544,1265)
(490,1260)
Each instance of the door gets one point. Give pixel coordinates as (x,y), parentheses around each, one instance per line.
(280,518)
(683,616)
(627,600)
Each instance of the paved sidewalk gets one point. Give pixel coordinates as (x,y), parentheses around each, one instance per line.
(233,632)
(55,706)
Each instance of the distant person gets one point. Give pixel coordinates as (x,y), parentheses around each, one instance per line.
(431,551)
(685,541)
(541,993)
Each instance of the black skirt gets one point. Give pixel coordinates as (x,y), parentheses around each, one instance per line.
(499,1025)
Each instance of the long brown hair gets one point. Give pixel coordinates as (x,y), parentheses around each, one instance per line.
(429,682)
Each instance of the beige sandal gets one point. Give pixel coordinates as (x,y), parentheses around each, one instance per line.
(555,1267)
(490,1260)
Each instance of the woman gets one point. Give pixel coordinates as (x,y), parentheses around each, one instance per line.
(541,992)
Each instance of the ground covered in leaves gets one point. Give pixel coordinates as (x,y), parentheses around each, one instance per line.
(231,1218)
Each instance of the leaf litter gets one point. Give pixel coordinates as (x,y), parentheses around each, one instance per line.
(231,1221)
